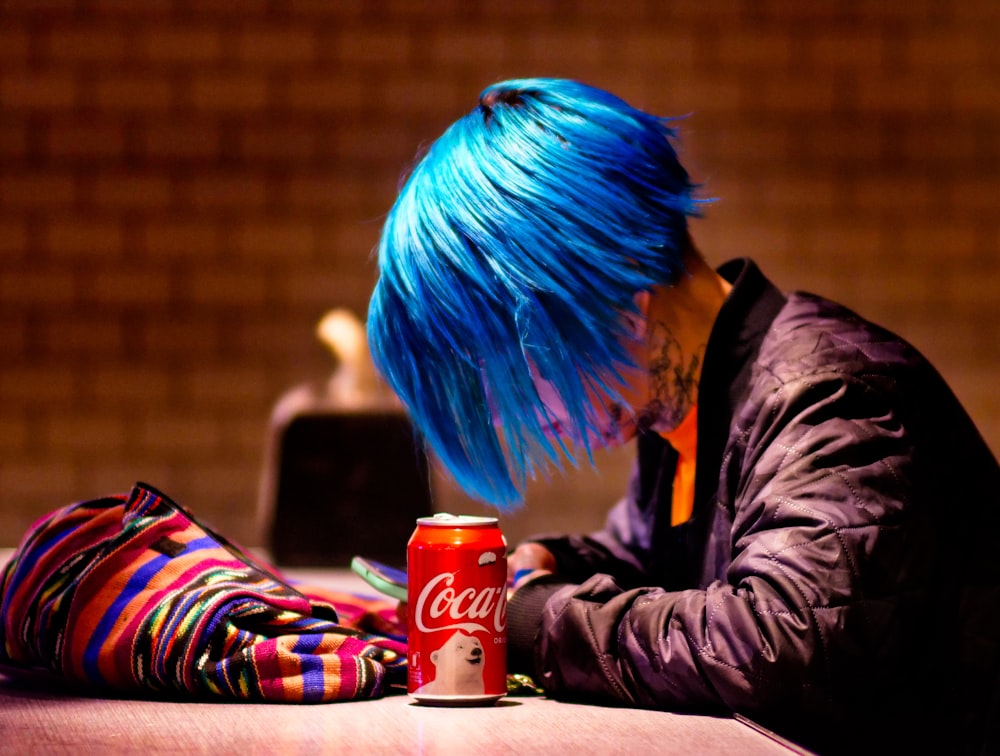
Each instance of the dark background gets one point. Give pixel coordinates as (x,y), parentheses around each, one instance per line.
(187,187)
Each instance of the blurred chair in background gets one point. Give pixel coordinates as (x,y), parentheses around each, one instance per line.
(344,474)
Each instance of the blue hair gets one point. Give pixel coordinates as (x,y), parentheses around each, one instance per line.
(518,243)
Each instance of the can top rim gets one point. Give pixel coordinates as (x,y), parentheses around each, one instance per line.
(446,520)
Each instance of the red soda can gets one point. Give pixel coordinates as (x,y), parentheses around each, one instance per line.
(457,614)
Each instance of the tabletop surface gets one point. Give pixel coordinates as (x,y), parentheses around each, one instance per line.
(39,717)
(34,718)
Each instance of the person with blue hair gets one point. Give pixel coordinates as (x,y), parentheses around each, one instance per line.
(808,538)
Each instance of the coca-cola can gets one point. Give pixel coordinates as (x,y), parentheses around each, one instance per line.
(457,614)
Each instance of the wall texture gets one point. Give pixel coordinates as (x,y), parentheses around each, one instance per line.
(186,186)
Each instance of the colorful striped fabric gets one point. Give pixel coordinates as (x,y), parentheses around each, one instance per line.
(132,594)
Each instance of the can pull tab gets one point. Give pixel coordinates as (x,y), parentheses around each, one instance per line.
(444,519)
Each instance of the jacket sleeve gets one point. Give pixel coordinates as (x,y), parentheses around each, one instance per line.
(622,547)
(826,576)
(612,551)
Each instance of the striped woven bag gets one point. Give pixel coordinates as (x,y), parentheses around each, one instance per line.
(131,594)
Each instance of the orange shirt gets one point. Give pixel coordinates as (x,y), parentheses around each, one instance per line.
(684,439)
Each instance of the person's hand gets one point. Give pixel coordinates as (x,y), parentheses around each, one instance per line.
(526,562)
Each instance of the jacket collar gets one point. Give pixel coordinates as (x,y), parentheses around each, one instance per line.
(739,329)
(744,319)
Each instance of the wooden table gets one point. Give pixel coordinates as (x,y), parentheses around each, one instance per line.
(37,717)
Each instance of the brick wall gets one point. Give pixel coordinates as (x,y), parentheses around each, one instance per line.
(187,186)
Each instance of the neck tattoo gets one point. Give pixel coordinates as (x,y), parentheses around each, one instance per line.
(673,381)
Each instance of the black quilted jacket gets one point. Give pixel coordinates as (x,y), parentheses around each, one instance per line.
(839,580)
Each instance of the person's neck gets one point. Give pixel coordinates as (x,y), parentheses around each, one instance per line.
(679,320)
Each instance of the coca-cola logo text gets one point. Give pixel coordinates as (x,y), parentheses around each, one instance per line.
(440,606)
